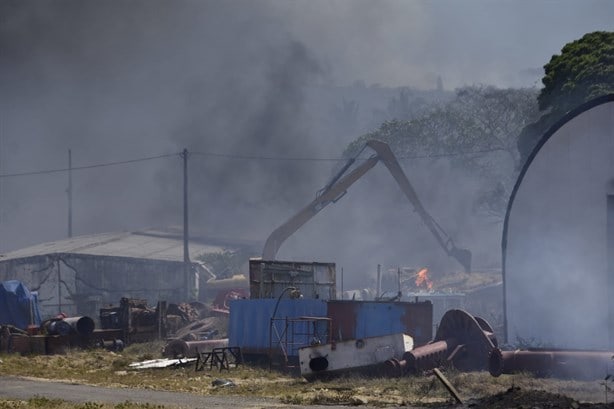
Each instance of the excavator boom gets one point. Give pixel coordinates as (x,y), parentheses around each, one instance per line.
(463,256)
(338,186)
(325,197)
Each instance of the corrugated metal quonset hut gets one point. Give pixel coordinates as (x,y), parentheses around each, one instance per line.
(558,237)
(79,275)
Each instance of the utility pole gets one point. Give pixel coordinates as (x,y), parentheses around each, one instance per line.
(2,111)
(186,236)
(69,193)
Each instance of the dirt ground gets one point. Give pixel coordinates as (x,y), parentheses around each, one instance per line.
(22,388)
(516,397)
(477,389)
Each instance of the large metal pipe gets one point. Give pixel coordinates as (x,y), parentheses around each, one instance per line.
(394,368)
(429,356)
(57,327)
(422,358)
(570,364)
(81,325)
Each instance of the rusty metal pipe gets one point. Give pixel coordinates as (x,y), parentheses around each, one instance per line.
(394,368)
(555,363)
(428,356)
(422,358)
(509,362)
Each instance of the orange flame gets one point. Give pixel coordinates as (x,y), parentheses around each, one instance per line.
(422,278)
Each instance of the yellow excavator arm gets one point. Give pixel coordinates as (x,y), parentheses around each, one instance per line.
(338,186)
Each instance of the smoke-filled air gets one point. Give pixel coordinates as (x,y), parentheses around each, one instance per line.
(266,96)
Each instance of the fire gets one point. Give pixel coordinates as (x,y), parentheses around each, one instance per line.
(422,278)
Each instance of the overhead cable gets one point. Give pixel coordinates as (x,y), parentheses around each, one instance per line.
(98,165)
(238,157)
(315,159)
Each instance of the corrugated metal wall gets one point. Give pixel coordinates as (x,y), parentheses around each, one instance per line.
(89,282)
(362,319)
(249,322)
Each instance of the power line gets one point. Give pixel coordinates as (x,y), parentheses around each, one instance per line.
(238,157)
(98,165)
(315,159)
(278,158)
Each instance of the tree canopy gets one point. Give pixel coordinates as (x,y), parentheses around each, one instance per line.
(477,119)
(476,131)
(584,70)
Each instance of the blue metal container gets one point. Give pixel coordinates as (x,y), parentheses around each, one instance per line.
(364,319)
(249,325)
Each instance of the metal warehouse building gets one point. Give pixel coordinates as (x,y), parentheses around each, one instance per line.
(79,275)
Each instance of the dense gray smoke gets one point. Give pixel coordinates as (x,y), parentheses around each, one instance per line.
(123,80)
(241,84)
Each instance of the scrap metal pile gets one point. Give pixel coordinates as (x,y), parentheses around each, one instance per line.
(462,340)
(184,325)
(134,321)
(198,336)
(54,336)
(466,343)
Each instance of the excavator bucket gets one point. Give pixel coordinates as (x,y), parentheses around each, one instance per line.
(463,256)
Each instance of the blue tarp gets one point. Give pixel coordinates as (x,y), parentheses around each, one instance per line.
(18,306)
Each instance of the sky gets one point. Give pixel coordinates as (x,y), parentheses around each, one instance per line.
(229,81)
(394,43)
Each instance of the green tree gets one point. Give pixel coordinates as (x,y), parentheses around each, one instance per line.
(584,70)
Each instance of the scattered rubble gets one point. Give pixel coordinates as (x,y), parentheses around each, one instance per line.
(185,325)
(202,329)
(222,383)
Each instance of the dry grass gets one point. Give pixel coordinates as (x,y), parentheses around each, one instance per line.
(44,403)
(99,367)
